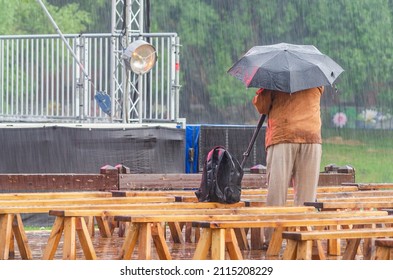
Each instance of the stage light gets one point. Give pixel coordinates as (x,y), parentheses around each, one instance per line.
(139,57)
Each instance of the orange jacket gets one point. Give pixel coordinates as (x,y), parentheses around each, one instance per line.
(292,118)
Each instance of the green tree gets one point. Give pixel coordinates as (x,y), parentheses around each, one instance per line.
(215,33)
(7,13)
(27,17)
(360,39)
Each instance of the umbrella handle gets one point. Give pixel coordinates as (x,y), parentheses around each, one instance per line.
(254,137)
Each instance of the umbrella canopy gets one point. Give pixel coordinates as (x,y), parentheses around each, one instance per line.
(285,67)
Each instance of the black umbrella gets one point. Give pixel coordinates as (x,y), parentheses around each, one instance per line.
(285,67)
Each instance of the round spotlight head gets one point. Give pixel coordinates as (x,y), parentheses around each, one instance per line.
(140,57)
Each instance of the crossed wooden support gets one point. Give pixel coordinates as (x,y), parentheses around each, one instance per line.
(11,228)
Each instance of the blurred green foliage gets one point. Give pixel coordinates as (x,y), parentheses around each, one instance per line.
(216,33)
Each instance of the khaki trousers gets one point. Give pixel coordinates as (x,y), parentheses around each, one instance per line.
(296,165)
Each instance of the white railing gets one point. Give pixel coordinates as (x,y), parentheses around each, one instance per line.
(41,81)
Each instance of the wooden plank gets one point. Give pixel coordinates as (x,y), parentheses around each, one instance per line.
(275,243)
(53,195)
(290,251)
(332,205)
(238,218)
(69,245)
(304,250)
(103,225)
(134,206)
(152,193)
(250,197)
(356,199)
(176,232)
(84,239)
(367,193)
(21,238)
(54,239)
(204,245)
(232,245)
(218,245)
(284,221)
(335,188)
(5,236)
(334,245)
(122,193)
(144,245)
(12,246)
(241,237)
(129,242)
(334,234)
(370,186)
(86,201)
(158,235)
(166,208)
(351,249)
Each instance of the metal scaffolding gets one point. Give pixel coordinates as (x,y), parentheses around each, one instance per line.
(56,79)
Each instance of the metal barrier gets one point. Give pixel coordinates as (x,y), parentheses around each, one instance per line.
(40,80)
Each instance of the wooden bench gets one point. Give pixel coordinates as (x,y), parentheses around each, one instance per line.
(220,230)
(144,230)
(149,227)
(256,233)
(299,244)
(364,202)
(11,224)
(79,200)
(14,204)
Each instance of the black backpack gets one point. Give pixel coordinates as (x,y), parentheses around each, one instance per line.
(221,178)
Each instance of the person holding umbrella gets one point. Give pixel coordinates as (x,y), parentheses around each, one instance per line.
(291,80)
(293,144)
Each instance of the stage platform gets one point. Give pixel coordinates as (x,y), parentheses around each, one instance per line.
(81,148)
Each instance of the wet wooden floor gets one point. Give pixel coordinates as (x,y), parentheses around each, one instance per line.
(109,248)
